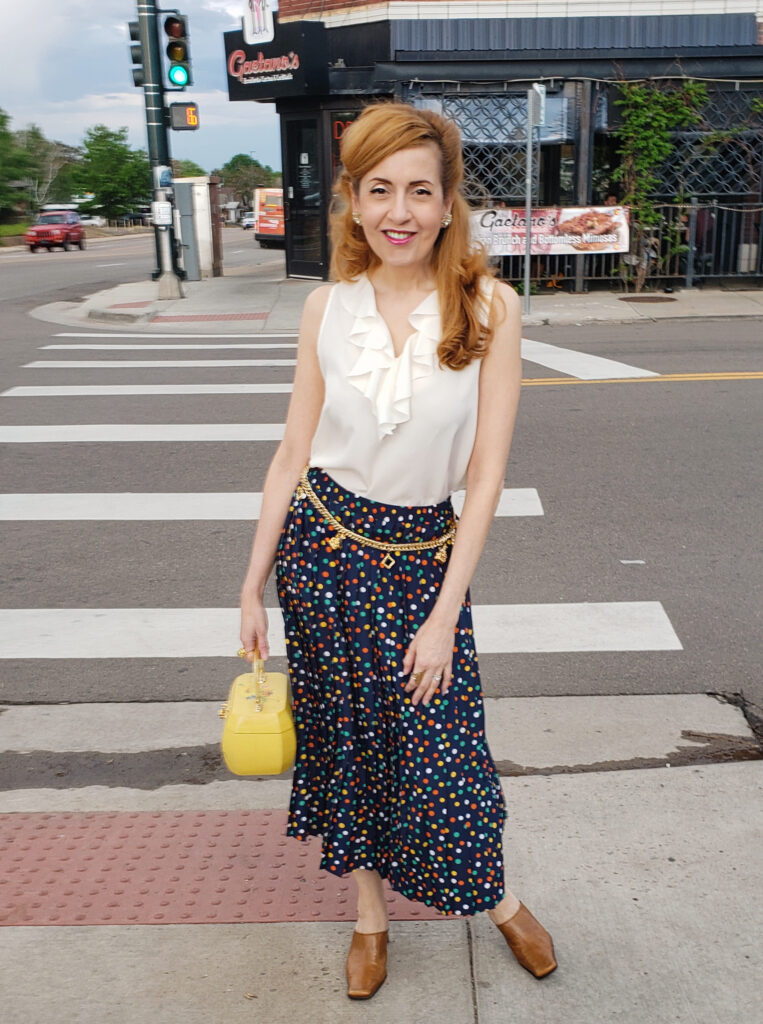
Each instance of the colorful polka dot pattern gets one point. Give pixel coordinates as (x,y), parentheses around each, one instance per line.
(410,791)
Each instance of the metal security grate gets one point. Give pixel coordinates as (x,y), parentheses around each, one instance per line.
(493,129)
(705,166)
(727,168)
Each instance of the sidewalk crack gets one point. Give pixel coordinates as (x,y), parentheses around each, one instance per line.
(470,944)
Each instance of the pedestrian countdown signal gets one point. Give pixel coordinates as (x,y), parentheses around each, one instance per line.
(184,117)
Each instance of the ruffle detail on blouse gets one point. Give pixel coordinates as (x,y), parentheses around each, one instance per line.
(387,380)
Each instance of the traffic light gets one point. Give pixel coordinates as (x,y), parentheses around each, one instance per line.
(178,51)
(136,54)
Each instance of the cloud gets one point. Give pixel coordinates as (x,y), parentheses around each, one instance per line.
(226,128)
(66,67)
(230,7)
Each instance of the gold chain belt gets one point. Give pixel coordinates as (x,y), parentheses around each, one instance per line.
(305,490)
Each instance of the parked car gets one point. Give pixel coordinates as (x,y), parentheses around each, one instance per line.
(96,221)
(247,221)
(56,228)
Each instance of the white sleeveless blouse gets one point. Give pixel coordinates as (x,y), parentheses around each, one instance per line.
(395,429)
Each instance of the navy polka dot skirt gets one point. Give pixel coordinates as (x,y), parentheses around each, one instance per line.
(410,791)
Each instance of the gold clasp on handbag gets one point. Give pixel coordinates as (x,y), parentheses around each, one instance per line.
(260,690)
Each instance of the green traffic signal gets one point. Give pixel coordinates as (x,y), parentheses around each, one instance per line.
(178,51)
(178,75)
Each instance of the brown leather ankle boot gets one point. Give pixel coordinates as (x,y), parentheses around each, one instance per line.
(529,942)
(366,963)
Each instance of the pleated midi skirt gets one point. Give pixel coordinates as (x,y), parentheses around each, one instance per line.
(409,791)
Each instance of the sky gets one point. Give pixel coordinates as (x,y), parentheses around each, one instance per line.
(66,67)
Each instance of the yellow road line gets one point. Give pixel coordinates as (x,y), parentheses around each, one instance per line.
(732,375)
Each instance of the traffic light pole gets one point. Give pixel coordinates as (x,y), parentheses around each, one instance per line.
(158,146)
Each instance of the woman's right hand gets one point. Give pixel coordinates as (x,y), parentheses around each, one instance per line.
(254,625)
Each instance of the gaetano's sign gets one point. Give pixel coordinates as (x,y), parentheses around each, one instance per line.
(292,64)
(553,230)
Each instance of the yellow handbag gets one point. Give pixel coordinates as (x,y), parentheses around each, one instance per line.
(258,736)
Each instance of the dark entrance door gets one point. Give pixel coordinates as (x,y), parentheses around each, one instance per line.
(306,243)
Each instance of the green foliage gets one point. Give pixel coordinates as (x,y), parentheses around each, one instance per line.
(14,167)
(651,112)
(241,175)
(10,230)
(118,176)
(519,287)
(187,169)
(64,186)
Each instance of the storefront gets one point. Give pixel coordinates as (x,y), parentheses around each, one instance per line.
(477,71)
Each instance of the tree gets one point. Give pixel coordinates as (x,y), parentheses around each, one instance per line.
(14,167)
(46,161)
(119,177)
(187,169)
(242,175)
(64,185)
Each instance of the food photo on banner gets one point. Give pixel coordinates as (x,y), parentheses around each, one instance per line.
(554,230)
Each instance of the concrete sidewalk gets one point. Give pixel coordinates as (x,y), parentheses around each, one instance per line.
(646,877)
(262,303)
(634,826)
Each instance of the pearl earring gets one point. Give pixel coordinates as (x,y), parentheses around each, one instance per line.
(357,218)
(447,220)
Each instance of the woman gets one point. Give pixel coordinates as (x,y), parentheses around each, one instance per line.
(406,389)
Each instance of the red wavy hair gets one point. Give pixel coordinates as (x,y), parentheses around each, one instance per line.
(381,130)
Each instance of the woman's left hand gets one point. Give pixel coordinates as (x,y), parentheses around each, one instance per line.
(429,659)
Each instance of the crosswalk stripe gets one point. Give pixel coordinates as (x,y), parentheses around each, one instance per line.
(172,334)
(164,348)
(116,390)
(578,364)
(107,433)
(150,364)
(516,501)
(45,633)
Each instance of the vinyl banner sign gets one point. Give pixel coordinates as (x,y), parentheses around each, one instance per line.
(553,230)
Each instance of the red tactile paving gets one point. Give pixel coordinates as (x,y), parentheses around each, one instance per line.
(170,867)
(130,305)
(188,317)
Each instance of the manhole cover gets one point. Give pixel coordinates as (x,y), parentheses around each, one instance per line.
(646,298)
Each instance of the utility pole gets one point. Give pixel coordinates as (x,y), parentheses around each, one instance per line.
(150,77)
(584,165)
(536,115)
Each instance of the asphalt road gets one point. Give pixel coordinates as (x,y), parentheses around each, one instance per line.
(650,492)
(106,261)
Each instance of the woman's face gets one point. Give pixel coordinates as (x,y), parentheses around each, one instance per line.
(401,204)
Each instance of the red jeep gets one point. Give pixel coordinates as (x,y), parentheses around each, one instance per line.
(56,227)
